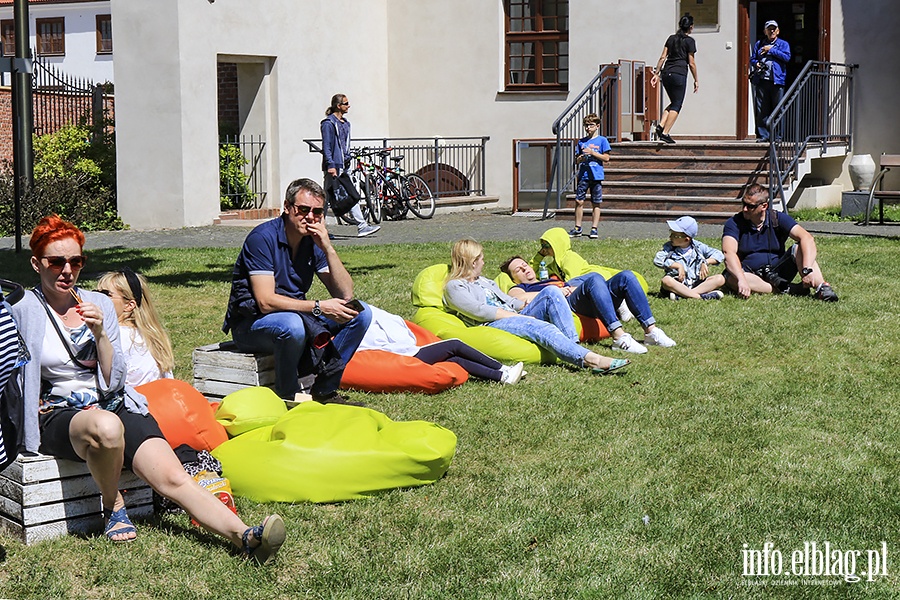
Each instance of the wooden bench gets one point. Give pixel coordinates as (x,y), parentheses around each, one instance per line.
(43,498)
(220,369)
(890,196)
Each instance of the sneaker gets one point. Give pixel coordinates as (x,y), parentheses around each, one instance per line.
(659,131)
(658,337)
(626,343)
(336,398)
(575,232)
(674,297)
(666,138)
(825,293)
(368,230)
(714,295)
(624,312)
(512,375)
(594,235)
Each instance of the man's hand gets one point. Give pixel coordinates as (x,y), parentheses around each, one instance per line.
(319,234)
(337,310)
(742,287)
(332,171)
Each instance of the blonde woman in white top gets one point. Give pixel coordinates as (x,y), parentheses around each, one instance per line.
(145,343)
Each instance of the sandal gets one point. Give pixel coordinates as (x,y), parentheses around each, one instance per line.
(270,535)
(118,517)
(617,363)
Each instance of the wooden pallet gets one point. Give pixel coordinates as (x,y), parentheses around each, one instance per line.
(220,369)
(43,498)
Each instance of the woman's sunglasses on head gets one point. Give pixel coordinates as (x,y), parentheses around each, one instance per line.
(58,263)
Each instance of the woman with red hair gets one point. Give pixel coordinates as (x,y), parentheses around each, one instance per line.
(78,407)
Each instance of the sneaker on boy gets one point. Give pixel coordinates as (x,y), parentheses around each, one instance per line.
(575,232)
(594,235)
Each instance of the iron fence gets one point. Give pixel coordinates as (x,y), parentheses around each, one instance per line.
(815,113)
(451,166)
(242,182)
(60,100)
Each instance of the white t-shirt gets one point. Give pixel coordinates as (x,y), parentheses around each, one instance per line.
(142,367)
(388,332)
(72,386)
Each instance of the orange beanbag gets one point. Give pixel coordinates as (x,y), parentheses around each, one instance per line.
(183,414)
(380,371)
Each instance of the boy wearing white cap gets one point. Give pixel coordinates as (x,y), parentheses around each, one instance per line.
(686,262)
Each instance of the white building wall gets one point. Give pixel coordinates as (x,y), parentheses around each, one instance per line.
(81,59)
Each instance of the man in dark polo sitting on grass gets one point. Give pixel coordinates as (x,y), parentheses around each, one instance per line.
(268,311)
(756,260)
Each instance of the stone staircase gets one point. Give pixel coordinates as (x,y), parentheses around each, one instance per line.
(650,181)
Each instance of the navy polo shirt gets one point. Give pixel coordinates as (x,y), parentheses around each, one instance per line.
(266,252)
(763,247)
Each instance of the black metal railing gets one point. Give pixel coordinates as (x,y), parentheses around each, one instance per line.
(601,97)
(816,112)
(242,182)
(60,100)
(451,166)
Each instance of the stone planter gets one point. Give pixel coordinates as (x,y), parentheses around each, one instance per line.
(862,172)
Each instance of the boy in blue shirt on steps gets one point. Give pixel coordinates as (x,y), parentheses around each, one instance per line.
(590,154)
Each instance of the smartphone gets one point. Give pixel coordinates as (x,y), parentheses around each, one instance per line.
(355,305)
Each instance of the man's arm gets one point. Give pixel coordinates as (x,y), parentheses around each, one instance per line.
(808,251)
(733,265)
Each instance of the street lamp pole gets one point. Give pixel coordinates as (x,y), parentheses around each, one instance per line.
(23,115)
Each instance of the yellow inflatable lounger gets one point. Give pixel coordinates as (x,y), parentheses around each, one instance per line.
(331,453)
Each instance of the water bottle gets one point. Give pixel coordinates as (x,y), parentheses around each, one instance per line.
(542,271)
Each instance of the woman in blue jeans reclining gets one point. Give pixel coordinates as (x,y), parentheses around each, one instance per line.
(546,320)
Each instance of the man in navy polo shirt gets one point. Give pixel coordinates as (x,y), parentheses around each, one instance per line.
(755,257)
(268,311)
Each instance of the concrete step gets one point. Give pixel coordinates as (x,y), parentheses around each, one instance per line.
(663,188)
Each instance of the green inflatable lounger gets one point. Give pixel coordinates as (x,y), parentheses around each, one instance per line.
(324,453)
(428,297)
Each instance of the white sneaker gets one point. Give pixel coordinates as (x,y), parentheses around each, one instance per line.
(624,314)
(512,375)
(626,343)
(368,230)
(658,337)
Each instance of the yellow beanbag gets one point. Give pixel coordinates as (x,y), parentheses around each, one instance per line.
(330,453)
(248,409)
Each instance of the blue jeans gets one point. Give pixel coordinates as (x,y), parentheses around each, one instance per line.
(551,327)
(284,335)
(598,298)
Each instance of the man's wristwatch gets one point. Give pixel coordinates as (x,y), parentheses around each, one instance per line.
(317,310)
(805,271)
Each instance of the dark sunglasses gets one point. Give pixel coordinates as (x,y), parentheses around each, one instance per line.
(300,209)
(58,263)
(752,206)
(545,245)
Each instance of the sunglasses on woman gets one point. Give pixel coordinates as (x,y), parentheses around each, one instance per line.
(58,263)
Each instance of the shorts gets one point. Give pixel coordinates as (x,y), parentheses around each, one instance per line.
(785,267)
(675,86)
(596,188)
(55,440)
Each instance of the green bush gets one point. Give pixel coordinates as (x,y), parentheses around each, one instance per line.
(74,177)
(234,191)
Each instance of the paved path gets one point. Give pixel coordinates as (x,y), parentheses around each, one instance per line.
(481,225)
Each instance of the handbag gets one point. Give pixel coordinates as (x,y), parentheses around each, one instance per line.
(341,193)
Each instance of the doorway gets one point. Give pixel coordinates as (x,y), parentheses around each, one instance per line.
(803,24)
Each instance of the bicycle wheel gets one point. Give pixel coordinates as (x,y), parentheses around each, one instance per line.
(373,199)
(418,197)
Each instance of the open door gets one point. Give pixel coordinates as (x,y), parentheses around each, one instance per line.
(805,25)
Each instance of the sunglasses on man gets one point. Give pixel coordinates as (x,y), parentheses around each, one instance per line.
(304,210)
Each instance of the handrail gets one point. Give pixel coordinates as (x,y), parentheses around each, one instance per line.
(600,96)
(817,109)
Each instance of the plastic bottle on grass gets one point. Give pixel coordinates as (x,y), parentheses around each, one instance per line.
(542,271)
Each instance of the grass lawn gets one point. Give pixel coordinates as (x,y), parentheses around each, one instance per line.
(774,420)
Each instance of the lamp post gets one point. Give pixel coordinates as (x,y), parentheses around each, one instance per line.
(23,115)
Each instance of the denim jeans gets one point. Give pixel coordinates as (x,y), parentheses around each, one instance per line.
(283,334)
(551,327)
(598,298)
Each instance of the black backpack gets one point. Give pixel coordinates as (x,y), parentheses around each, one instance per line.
(13,357)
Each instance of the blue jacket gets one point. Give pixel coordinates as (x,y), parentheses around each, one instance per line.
(780,55)
(335,143)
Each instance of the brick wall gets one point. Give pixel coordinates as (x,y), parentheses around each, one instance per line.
(229,117)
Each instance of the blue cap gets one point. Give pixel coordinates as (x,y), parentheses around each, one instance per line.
(685,225)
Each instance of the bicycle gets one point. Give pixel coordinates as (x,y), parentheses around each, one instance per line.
(409,193)
(361,174)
